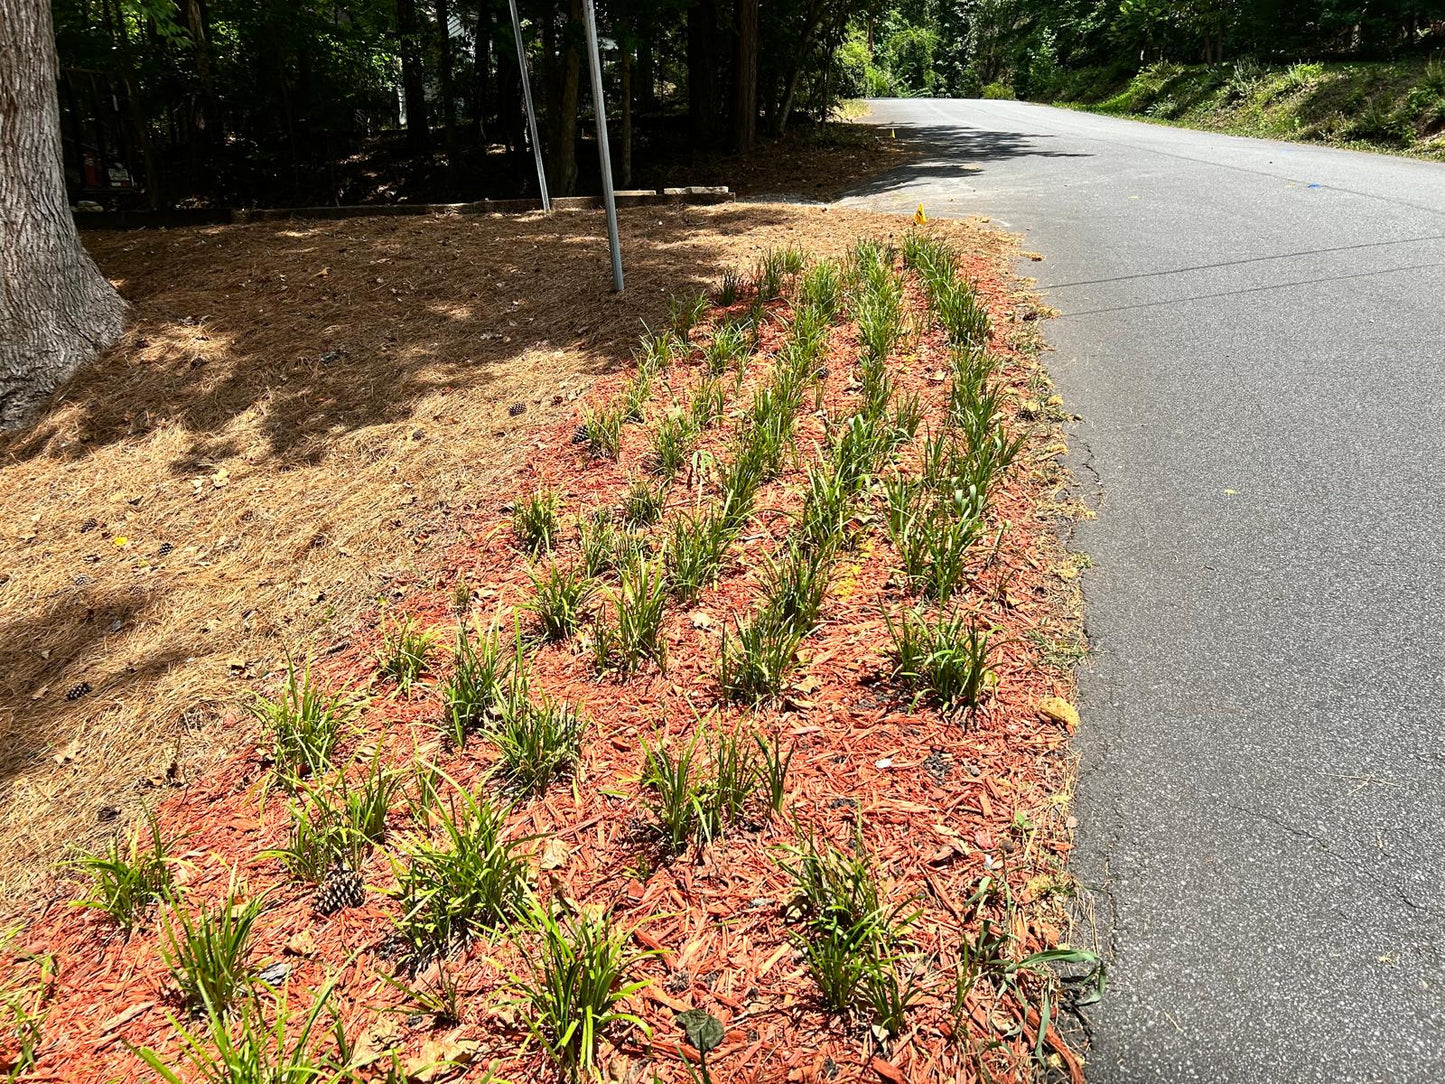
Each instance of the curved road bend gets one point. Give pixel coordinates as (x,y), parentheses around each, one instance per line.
(1254,336)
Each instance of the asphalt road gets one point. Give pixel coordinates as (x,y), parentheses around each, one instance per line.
(1253,334)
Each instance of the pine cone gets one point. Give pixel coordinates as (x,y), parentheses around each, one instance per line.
(89,525)
(75,692)
(342,888)
(165,550)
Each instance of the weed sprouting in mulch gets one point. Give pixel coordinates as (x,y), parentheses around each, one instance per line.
(764,747)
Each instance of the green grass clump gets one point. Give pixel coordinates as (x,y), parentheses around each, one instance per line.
(766,435)
(713,783)
(304,723)
(730,345)
(822,287)
(635,396)
(846,929)
(794,586)
(739,479)
(685,311)
(254,1044)
(580,973)
(879,312)
(636,632)
(827,510)
(539,740)
(602,425)
(604,546)
(471,880)
(856,449)
(933,540)
(696,549)
(730,289)
(708,400)
(946,658)
(472,691)
(559,599)
(126,880)
(336,822)
(207,952)
(672,443)
(757,659)
(536,520)
(644,502)
(405,652)
(656,351)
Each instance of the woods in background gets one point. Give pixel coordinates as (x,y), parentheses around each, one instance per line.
(240,102)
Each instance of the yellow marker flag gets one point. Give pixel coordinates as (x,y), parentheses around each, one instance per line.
(919,218)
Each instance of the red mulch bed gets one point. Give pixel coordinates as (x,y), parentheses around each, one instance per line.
(936,796)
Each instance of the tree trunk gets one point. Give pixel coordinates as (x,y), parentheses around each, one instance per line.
(562,106)
(702,73)
(800,57)
(120,35)
(745,99)
(481,72)
(57,311)
(413,79)
(624,66)
(646,71)
(449,107)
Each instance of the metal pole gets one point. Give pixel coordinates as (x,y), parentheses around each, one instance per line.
(599,108)
(531,112)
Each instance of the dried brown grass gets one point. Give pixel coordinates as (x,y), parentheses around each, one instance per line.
(302,411)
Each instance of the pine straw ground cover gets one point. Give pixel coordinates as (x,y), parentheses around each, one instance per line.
(872,889)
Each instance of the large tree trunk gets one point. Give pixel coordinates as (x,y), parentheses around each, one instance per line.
(745,98)
(56,309)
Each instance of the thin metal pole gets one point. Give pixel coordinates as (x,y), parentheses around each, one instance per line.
(600,109)
(531,111)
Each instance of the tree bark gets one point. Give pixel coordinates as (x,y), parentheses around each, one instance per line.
(745,98)
(413,79)
(562,106)
(57,311)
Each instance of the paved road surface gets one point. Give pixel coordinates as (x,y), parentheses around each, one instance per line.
(1254,336)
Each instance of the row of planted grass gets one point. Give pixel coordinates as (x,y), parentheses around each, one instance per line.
(458,874)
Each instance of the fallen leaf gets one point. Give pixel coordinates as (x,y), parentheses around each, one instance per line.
(554,854)
(439,1057)
(301,943)
(1060,711)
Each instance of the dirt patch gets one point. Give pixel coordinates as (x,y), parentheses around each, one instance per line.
(295,426)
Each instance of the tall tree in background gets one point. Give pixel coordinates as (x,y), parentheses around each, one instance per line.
(745,77)
(562,52)
(413,78)
(56,309)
